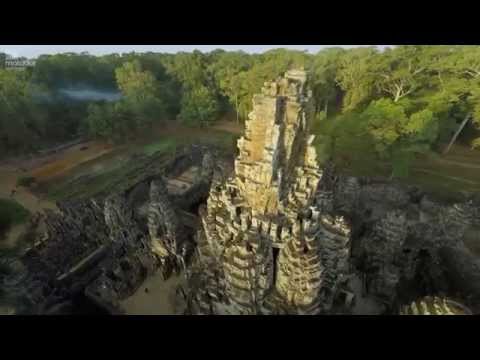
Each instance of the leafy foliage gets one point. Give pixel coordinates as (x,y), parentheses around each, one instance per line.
(164,145)
(199,106)
(356,77)
(11,213)
(25,181)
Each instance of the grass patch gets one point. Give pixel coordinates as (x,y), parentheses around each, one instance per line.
(171,139)
(150,158)
(162,146)
(111,180)
(11,213)
(342,137)
(226,141)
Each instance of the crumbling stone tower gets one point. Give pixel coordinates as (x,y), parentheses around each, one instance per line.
(265,245)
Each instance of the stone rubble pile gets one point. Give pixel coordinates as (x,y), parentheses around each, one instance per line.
(105,248)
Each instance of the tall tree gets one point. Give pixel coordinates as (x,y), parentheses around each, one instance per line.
(199,107)
(323,71)
(225,68)
(141,91)
(356,77)
(21,122)
(399,71)
(398,135)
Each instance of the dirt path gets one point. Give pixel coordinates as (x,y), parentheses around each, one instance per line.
(8,181)
(229,126)
(69,158)
(44,168)
(446,176)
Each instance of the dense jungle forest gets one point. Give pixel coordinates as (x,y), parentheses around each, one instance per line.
(389,105)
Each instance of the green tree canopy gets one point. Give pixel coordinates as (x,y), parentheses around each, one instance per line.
(199,106)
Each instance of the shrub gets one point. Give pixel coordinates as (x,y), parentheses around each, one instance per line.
(11,213)
(164,146)
(25,181)
(475,144)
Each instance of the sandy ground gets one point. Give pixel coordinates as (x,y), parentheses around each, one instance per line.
(60,163)
(363,305)
(159,300)
(229,126)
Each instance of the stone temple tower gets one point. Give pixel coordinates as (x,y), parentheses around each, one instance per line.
(265,245)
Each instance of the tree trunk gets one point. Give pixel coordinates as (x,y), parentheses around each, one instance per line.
(326,109)
(236,107)
(459,130)
(397,96)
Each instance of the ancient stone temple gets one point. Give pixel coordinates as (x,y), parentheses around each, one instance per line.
(265,245)
(91,255)
(276,234)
